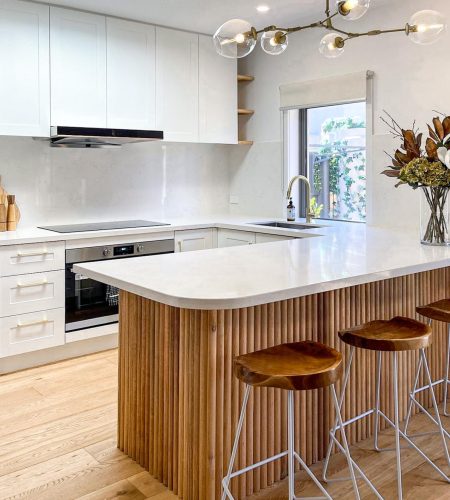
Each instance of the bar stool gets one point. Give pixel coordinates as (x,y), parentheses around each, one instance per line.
(393,336)
(436,311)
(299,366)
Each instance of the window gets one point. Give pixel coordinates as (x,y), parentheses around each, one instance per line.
(330,142)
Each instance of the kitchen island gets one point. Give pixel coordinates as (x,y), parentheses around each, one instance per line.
(183,318)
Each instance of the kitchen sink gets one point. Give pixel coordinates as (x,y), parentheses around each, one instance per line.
(287,225)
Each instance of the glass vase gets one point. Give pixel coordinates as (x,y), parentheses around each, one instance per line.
(434,220)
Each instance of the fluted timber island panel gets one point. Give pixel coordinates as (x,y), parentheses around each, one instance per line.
(179,402)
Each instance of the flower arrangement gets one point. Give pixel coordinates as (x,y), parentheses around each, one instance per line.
(428,169)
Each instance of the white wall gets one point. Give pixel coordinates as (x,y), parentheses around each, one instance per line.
(410,82)
(152,181)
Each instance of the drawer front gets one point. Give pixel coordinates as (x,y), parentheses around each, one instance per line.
(31,292)
(33,258)
(31,332)
(233,238)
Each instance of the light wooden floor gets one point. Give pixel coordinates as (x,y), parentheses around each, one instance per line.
(58,435)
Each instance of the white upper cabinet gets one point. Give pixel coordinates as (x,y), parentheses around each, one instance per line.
(130,75)
(218,120)
(177,85)
(78,68)
(24,59)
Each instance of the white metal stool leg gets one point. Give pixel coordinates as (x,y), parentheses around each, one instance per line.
(341,401)
(226,481)
(397,427)
(423,363)
(447,373)
(377,403)
(291,441)
(291,454)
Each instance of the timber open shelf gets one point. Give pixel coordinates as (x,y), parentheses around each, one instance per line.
(244,112)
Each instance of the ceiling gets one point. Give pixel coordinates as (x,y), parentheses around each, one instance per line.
(205,16)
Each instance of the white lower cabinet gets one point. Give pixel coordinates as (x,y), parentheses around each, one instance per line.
(195,239)
(233,238)
(267,238)
(32,258)
(31,293)
(31,332)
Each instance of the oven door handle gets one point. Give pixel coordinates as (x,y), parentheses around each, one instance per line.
(79,277)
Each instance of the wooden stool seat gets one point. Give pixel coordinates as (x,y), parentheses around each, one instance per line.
(298,366)
(439,311)
(397,334)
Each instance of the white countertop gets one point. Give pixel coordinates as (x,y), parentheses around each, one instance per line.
(35,235)
(345,254)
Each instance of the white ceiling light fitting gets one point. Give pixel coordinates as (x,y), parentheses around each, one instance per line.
(237,38)
(263,8)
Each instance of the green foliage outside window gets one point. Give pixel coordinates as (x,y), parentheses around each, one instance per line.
(346,167)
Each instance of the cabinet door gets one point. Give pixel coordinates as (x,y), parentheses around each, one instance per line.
(218,119)
(24,57)
(177,85)
(78,68)
(232,238)
(31,332)
(191,240)
(130,75)
(31,292)
(267,238)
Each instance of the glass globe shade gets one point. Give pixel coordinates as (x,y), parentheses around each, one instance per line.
(328,47)
(426,27)
(235,39)
(352,9)
(271,43)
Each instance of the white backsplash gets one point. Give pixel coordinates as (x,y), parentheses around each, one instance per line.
(150,180)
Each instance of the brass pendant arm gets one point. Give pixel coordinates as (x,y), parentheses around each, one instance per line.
(327,24)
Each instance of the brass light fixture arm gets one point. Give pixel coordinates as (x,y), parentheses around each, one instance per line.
(327,24)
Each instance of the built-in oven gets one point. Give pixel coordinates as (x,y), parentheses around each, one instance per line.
(90,303)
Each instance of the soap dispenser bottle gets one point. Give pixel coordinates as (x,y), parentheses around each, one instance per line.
(290,211)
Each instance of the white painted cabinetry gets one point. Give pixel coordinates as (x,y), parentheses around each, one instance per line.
(177,84)
(217,95)
(267,238)
(233,238)
(194,239)
(130,75)
(32,297)
(78,68)
(24,59)
(31,332)
(31,258)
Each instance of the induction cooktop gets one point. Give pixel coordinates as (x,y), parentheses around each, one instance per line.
(103,226)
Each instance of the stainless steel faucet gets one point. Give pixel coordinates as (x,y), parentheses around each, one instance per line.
(309,214)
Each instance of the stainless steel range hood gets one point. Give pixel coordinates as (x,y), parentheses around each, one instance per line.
(88,137)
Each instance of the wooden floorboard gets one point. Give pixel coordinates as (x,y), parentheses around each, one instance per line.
(58,428)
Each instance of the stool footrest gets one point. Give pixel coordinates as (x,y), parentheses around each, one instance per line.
(259,464)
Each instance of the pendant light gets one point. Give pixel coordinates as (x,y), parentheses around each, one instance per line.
(237,38)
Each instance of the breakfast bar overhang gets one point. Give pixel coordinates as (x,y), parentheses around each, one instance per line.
(178,399)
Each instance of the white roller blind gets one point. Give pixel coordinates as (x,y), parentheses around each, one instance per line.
(326,91)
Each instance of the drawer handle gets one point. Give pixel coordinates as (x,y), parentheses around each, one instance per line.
(32,254)
(34,283)
(32,323)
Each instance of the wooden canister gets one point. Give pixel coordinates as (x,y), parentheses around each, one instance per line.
(3,212)
(13,213)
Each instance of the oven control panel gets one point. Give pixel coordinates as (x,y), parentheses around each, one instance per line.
(123,250)
(90,254)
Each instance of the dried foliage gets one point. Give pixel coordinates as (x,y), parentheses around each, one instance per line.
(410,149)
